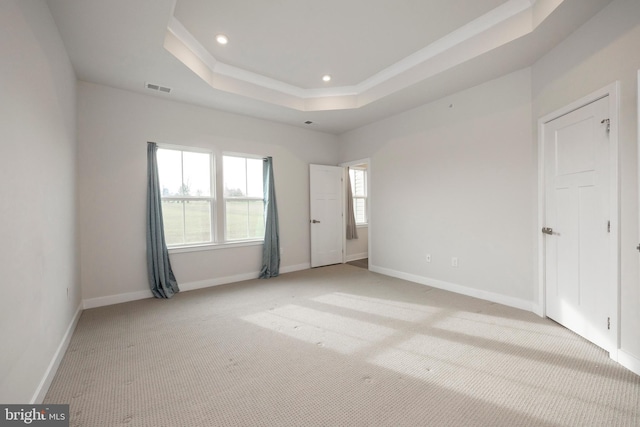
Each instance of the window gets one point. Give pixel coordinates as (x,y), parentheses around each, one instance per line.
(243,198)
(187,196)
(197,210)
(358,178)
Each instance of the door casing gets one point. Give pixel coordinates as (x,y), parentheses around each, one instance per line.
(612,91)
(334,219)
(366,161)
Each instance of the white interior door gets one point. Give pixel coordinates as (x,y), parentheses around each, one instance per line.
(578,291)
(326,214)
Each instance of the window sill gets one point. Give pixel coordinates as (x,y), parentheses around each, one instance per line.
(362,225)
(214,246)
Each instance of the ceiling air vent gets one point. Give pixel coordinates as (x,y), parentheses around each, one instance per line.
(157,87)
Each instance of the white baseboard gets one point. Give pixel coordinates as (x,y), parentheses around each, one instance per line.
(115,299)
(629,361)
(185,287)
(192,286)
(47,379)
(298,267)
(624,358)
(459,289)
(201,284)
(355,257)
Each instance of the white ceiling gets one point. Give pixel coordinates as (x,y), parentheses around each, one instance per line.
(384,56)
(297,42)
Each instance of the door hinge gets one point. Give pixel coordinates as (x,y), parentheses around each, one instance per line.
(608,226)
(608,122)
(608,323)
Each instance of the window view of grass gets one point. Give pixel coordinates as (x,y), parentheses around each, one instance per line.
(188,197)
(186,221)
(244,207)
(244,219)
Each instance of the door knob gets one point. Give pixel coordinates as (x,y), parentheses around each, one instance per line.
(547,230)
(315,221)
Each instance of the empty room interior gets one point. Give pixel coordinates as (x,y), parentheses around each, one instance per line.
(484,152)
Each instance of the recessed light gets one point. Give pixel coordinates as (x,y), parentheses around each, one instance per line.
(326,78)
(222,39)
(308,122)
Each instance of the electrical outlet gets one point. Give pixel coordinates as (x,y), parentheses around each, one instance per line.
(454,261)
(428,258)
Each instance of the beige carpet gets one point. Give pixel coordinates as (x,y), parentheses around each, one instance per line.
(335,346)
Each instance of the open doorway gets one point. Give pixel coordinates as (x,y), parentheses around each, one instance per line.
(357,249)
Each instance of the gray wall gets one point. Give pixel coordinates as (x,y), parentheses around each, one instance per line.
(40,287)
(605,50)
(358,248)
(455,182)
(113,129)
(466,177)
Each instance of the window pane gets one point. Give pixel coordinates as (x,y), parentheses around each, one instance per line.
(197,220)
(169,171)
(244,219)
(197,174)
(352,179)
(186,221)
(236,213)
(256,219)
(235,176)
(254,177)
(173,218)
(359,207)
(185,174)
(358,183)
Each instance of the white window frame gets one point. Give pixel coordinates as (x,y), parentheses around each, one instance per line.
(211,198)
(241,198)
(366,194)
(218,217)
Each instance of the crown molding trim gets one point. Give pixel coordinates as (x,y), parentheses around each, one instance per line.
(511,20)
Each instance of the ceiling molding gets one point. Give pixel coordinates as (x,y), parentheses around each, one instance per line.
(511,20)
(474,28)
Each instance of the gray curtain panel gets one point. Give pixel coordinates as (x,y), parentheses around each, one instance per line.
(352,230)
(271,249)
(161,279)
